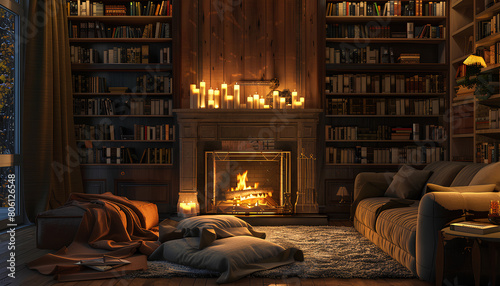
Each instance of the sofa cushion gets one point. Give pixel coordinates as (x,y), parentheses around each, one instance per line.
(399,226)
(488,175)
(367,208)
(465,175)
(443,172)
(408,183)
(462,189)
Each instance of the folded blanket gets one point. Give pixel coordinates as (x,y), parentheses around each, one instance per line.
(112,226)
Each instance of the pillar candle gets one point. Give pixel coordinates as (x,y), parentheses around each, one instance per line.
(230,103)
(211,103)
(210,94)
(196,93)
(294,96)
(223,99)
(282,102)
(266,106)
(192,98)
(276,96)
(202,94)
(250,102)
(262,102)
(303,101)
(297,104)
(237,99)
(216,98)
(256,101)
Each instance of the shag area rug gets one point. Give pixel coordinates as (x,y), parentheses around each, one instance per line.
(329,252)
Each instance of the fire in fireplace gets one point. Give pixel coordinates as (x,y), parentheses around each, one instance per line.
(247,182)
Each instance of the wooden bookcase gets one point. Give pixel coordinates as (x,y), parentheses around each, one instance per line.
(116,51)
(470,141)
(352,103)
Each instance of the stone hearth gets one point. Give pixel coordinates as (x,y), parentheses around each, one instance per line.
(202,130)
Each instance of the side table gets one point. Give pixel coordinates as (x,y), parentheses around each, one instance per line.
(492,240)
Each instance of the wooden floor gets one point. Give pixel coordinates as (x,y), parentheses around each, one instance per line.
(26,251)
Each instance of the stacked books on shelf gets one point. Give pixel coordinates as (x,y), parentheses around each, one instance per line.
(135,8)
(365,55)
(148,106)
(409,58)
(389,8)
(491,54)
(487,152)
(95,132)
(487,118)
(96,29)
(390,155)
(93,106)
(156,83)
(488,27)
(155,132)
(358,31)
(123,155)
(85,84)
(475,227)
(384,106)
(384,132)
(390,83)
(157,156)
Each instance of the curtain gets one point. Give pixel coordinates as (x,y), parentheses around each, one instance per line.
(50,158)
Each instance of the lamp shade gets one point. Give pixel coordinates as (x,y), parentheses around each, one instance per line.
(475,60)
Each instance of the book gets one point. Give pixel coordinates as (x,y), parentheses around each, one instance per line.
(103,264)
(475,227)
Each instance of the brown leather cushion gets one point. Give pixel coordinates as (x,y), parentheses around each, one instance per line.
(57,228)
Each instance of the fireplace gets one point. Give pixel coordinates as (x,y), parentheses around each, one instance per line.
(247,182)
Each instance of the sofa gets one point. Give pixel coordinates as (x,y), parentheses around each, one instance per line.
(407,227)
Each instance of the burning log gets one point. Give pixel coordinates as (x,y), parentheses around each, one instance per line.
(249,193)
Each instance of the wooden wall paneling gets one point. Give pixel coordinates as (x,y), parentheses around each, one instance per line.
(269,41)
(204,45)
(290,47)
(310,55)
(188,50)
(216,45)
(321,59)
(278,47)
(233,44)
(252,54)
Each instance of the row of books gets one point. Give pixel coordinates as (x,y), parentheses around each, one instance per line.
(88,84)
(358,31)
(390,8)
(491,55)
(487,152)
(150,106)
(390,83)
(122,155)
(96,132)
(154,83)
(94,106)
(368,55)
(98,29)
(136,8)
(384,132)
(382,106)
(487,118)
(116,55)
(393,155)
(154,132)
(488,27)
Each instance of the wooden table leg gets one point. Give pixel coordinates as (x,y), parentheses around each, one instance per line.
(440,259)
(476,262)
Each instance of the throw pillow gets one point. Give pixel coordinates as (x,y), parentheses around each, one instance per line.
(462,189)
(408,183)
(233,257)
(212,227)
(490,174)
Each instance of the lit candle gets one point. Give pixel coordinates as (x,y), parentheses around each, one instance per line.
(211,94)
(282,102)
(297,105)
(223,100)
(196,93)
(288,106)
(276,96)
(256,101)
(202,94)
(230,103)
(266,106)
(237,96)
(193,99)
(303,101)
(294,96)
(250,102)
(211,103)
(262,102)
(217,98)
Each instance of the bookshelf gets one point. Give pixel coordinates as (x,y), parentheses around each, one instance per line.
(377,74)
(475,134)
(123,93)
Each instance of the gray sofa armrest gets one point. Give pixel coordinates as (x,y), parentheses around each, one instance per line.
(437,209)
(369,185)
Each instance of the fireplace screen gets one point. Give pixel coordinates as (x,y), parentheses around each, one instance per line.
(247,182)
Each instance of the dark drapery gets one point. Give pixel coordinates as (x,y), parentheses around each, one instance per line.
(50,162)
